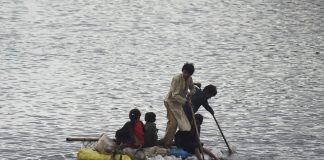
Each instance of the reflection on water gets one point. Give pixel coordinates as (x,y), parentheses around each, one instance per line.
(76,68)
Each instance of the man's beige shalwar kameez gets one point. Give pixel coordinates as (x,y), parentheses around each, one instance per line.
(173,102)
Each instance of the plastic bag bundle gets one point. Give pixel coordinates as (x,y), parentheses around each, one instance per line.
(105,145)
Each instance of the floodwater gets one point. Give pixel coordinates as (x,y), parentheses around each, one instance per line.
(75,68)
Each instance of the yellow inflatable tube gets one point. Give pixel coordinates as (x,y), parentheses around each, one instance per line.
(90,154)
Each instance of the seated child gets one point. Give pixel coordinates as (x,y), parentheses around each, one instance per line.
(132,133)
(188,140)
(150,141)
(150,134)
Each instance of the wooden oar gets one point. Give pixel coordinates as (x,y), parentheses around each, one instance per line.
(230,151)
(196,129)
(82,139)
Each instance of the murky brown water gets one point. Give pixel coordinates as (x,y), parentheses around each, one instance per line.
(75,68)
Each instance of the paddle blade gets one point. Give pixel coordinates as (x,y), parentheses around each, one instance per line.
(233,148)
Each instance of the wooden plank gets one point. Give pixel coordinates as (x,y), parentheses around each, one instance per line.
(82,139)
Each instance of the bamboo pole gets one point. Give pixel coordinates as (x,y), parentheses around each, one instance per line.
(196,129)
(82,139)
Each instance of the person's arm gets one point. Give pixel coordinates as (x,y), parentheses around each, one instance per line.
(198,84)
(122,134)
(155,136)
(192,87)
(175,89)
(137,143)
(198,154)
(208,108)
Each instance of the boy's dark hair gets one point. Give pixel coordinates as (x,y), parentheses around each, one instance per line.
(134,114)
(189,67)
(150,117)
(211,89)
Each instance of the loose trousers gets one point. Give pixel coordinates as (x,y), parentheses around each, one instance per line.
(176,118)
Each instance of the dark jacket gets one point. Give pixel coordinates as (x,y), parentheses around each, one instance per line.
(198,99)
(150,134)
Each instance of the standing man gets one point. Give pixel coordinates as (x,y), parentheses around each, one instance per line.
(174,101)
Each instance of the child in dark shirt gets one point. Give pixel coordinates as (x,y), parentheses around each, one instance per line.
(150,135)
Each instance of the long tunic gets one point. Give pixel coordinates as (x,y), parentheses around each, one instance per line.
(176,98)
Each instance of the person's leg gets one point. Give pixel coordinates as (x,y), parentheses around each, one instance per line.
(197,153)
(129,151)
(187,110)
(154,151)
(210,154)
(181,118)
(171,127)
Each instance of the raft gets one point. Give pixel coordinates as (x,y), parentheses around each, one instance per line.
(90,154)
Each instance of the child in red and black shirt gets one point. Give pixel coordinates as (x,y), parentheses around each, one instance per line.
(132,133)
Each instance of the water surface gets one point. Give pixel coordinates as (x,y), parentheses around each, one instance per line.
(76,68)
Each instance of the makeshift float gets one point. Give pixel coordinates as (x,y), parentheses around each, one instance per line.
(105,148)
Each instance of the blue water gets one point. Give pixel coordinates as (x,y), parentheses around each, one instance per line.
(75,68)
